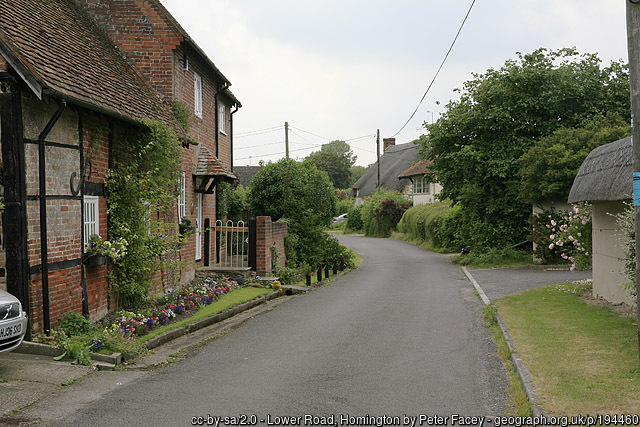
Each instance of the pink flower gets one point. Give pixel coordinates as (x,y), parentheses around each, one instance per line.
(559,243)
(551,246)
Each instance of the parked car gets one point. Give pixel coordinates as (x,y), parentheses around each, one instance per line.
(341,218)
(13,322)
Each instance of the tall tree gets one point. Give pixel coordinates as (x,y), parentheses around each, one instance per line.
(336,159)
(547,170)
(476,144)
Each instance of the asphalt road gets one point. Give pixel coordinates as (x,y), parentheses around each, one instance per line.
(500,282)
(403,335)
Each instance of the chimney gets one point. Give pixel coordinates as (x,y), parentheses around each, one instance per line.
(388,142)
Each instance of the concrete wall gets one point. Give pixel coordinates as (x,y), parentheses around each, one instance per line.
(608,264)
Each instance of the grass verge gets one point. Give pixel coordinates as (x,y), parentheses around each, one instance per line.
(520,404)
(232,299)
(582,359)
(494,258)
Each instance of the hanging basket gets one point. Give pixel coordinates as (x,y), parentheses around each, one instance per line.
(95,260)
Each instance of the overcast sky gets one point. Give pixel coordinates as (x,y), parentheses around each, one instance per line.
(340,69)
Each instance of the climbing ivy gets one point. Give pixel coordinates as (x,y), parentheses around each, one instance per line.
(142,190)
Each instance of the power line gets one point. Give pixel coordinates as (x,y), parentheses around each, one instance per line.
(257,132)
(259,145)
(439,68)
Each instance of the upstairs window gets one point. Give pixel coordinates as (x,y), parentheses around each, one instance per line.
(91,213)
(197,95)
(222,122)
(182,212)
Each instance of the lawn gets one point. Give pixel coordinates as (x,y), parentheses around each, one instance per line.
(583,359)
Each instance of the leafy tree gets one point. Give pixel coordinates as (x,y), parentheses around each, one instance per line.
(356,173)
(476,144)
(303,196)
(547,170)
(336,159)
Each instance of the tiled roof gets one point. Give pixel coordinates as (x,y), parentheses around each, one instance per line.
(420,168)
(209,165)
(246,173)
(395,160)
(62,48)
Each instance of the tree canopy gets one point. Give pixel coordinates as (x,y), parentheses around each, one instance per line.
(336,159)
(303,196)
(476,144)
(548,169)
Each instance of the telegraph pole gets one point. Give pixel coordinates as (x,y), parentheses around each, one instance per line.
(286,138)
(633,44)
(378,150)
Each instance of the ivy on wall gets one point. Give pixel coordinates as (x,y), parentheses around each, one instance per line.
(141,195)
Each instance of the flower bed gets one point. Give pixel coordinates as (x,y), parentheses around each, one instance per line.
(171,305)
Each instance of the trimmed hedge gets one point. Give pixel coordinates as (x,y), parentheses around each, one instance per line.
(436,224)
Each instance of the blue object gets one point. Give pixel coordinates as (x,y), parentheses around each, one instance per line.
(636,189)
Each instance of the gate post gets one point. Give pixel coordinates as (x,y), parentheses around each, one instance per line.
(207,241)
(253,240)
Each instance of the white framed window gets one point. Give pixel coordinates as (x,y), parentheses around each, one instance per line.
(222,122)
(182,198)
(91,211)
(197,95)
(421,185)
(147,215)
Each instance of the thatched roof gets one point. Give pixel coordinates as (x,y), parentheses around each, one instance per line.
(395,160)
(606,174)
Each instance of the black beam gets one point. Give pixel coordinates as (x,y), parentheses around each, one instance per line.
(42,173)
(14,217)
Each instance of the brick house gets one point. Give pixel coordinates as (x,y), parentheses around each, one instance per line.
(75,78)
(173,64)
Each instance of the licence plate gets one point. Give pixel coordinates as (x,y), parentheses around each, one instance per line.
(10,330)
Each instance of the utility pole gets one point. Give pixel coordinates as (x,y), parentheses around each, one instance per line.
(378,150)
(633,44)
(286,138)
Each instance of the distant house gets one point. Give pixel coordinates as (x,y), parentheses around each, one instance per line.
(423,191)
(605,178)
(395,160)
(245,174)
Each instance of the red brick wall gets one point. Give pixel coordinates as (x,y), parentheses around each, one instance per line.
(140,29)
(267,234)
(141,33)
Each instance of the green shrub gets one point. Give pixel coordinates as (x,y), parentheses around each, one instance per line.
(74,324)
(354,219)
(436,224)
(382,211)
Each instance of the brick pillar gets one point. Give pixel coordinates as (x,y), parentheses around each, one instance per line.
(264,239)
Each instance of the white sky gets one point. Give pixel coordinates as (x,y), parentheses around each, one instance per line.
(340,69)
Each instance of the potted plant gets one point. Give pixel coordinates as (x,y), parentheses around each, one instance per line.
(185,227)
(101,251)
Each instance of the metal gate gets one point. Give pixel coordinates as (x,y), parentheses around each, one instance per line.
(232,244)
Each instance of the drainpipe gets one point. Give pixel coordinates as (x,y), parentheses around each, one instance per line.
(44,261)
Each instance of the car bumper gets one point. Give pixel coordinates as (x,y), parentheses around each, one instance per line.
(12,332)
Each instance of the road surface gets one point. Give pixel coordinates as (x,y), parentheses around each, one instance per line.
(402,335)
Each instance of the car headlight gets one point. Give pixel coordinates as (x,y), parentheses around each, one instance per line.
(10,310)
